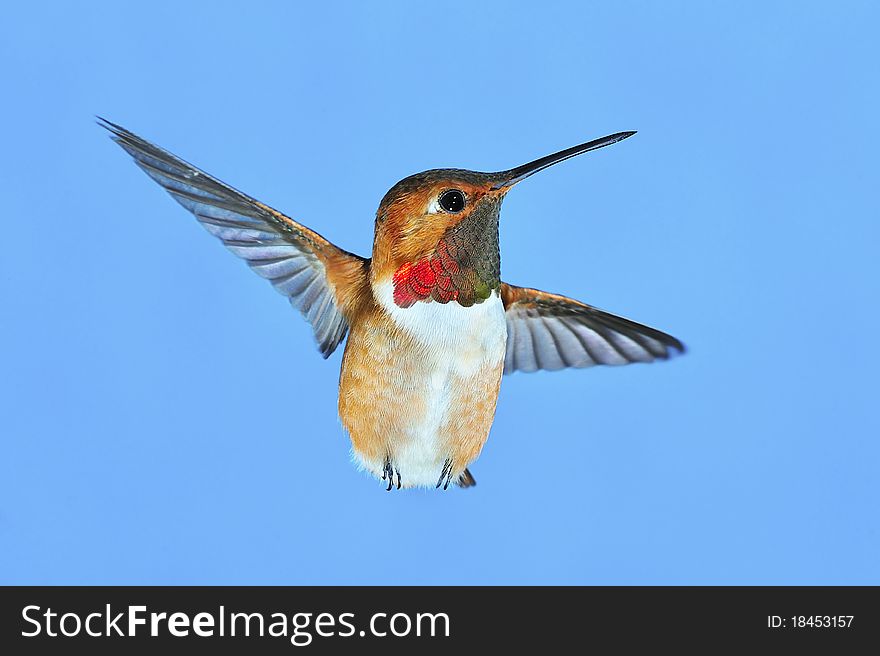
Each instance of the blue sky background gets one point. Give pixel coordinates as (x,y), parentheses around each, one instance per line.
(166,418)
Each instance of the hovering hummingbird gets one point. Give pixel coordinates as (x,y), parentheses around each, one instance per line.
(431,325)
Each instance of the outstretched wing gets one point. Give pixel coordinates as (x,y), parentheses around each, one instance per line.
(315,275)
(549,331)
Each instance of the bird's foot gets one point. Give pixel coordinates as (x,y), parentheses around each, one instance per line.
(445,474)
(388,473)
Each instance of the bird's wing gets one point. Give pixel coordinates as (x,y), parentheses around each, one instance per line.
(549,331)
(317,277)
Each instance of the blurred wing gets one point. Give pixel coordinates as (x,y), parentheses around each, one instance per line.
(548,331)
(313,273)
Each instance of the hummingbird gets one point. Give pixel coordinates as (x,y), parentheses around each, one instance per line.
(431,326)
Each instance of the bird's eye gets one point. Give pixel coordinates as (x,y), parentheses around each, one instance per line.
(452,201)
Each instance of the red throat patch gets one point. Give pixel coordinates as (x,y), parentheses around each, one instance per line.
(464,268)
(434,277)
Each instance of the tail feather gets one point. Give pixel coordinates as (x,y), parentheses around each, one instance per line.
(466,479)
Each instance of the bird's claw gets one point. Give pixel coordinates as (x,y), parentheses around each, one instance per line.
(388,473)
(445,475)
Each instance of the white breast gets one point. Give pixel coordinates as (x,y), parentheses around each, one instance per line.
(464,338)
(460,344)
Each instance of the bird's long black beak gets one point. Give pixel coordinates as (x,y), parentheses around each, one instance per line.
(507,179)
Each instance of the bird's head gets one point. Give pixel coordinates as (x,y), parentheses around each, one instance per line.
(437,232)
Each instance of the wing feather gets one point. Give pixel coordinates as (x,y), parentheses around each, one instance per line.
(312,273)
(551,332)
